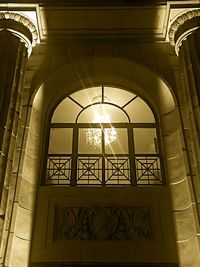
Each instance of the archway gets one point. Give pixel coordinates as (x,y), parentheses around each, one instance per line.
(82,74)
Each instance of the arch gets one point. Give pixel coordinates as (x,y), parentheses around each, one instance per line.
(125,113)
(89,97)
(71,77)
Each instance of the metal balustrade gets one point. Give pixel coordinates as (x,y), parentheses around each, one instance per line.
(148,170)
(108,170)
(58,170)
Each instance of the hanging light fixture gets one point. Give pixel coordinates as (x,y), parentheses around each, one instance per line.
(94,135)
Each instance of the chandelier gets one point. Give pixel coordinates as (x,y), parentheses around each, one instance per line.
(94,136)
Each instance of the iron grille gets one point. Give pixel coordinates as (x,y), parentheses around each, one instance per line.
(99,170)
(58,170)
(148,170)
(89,170)
(117,171)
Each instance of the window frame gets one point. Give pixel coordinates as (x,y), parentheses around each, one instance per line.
(132,155)
(127,125)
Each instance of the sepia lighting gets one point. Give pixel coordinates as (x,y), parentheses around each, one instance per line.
(94,136)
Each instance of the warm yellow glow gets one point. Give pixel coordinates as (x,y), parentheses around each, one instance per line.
(102,117)
(94,136)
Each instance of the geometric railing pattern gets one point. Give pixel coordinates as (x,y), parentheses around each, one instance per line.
(148,170)
(109,170)
(117,170)
(89,170)
(58,170)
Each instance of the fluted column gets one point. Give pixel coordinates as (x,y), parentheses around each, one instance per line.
(184,34)
(17,34)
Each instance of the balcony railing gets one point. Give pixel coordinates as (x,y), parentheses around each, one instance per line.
(107,171)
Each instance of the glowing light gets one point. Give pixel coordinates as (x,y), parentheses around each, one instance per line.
(94,136)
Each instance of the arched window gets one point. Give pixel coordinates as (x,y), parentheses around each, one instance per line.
(103,136)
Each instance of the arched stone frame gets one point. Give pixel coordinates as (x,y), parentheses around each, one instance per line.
(124,74)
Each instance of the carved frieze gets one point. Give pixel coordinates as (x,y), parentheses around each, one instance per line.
(102,223)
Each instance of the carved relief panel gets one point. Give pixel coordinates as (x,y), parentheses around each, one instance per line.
(102,223)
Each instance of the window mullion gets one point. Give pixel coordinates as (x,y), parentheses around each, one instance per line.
(132,156)
(74,157)
(103,155)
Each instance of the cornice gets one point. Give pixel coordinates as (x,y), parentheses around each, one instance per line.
(79,3)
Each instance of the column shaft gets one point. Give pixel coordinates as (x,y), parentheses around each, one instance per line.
(189,99)
(13,54)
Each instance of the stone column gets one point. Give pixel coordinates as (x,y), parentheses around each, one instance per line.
(17,35)
(184,34)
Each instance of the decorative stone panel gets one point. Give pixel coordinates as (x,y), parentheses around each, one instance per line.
(102,223)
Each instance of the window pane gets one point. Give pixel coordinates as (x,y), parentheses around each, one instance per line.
(117,96)
(139,111)
(145,140)
(120,142)
(85,97)
(66,112)
(102,113)
(89,141)
(60,141)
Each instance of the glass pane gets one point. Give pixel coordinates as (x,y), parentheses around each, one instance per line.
(139,111)
(85,97)
(60,141)
(89,141)
(117,96)
(66,112)
(145,140)
(102,113)
(117,141)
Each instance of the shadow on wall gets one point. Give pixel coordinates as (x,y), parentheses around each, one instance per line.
(113,57)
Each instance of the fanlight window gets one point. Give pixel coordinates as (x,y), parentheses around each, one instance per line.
(103,136)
